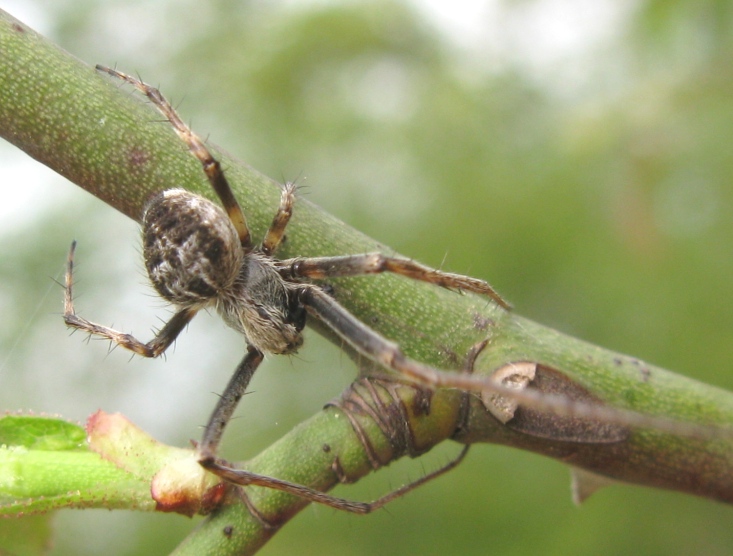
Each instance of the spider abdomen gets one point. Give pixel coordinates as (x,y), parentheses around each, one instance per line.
(191,249)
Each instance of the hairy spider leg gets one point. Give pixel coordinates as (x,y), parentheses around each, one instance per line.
(319,268)
(228,402)
(276,231)
(162,340)
(212,167)
(246,478)
(375,347)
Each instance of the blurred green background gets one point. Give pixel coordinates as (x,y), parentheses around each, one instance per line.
(573,153)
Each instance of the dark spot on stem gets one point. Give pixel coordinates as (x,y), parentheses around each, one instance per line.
(137,157)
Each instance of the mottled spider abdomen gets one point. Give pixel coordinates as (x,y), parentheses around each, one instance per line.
(192,251)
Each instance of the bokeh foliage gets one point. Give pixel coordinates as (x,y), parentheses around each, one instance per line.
(597,200)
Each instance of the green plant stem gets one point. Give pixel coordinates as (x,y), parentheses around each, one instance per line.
(98,135)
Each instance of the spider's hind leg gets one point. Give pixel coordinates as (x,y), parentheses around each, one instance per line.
(163,339)
(243,477)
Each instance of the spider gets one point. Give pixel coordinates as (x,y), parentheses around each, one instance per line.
(200,256)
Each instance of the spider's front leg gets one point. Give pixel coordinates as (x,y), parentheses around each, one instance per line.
(319,268)
(163,339)
(211,166)
(376,347)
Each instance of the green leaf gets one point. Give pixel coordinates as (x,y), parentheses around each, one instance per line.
(41,433)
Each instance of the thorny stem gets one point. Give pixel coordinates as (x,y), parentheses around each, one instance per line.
(65,115)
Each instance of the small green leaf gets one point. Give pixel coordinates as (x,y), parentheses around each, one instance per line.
(41,433)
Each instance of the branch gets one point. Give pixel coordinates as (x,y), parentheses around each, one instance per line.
(101,137)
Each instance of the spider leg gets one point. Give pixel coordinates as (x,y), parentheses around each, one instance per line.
(227,404)
(163,339)
(212,167)
(371,344)
(245,478)
(221,416)
(276,232)
(319,268)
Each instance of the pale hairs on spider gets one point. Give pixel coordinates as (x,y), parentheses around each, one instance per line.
(199,256)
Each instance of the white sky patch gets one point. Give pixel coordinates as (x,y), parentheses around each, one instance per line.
(29,13)
(27,189)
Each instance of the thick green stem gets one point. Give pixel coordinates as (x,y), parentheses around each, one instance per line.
(89,129)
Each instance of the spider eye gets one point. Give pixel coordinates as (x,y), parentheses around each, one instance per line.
(191,249)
